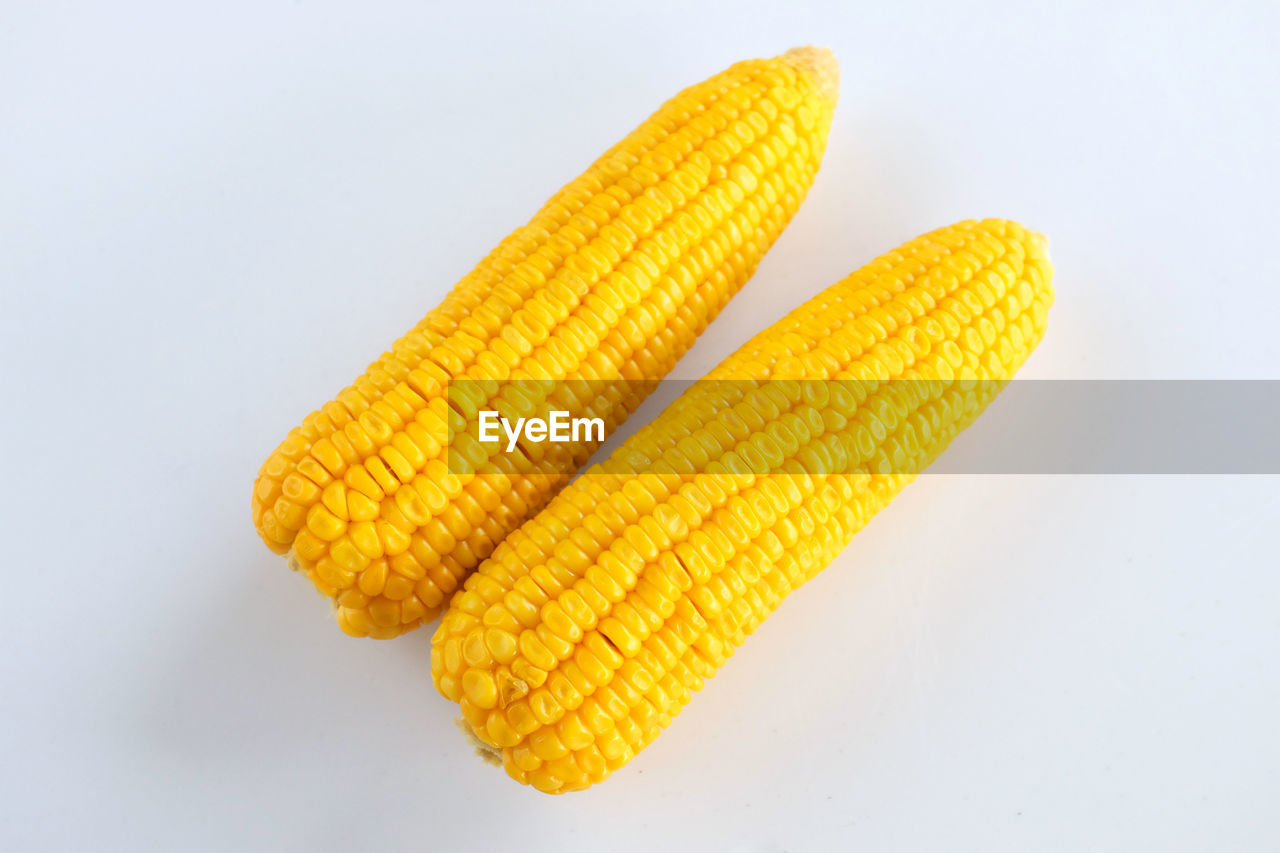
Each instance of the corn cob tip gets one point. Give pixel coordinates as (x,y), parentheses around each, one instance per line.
(819,63)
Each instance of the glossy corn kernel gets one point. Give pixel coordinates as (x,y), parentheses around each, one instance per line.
(569,653)
(611,282)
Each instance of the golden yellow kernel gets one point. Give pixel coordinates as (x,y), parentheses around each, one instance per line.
(500,732)
(384,612)
(347,556)
(332,574)
(535,652)
(357,623)
(397,588)
(480,687)
(528,673)
(501,644)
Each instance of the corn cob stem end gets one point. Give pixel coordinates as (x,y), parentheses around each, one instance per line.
(296,565)
(486,753)
(819,63)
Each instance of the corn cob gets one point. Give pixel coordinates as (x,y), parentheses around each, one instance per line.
(611,281)
(586,631)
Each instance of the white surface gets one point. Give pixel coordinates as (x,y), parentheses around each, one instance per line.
(212,220)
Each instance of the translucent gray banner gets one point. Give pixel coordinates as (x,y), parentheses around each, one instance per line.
(889,427)
(1123,427)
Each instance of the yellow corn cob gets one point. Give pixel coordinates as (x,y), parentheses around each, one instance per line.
(585,632)
(611,281)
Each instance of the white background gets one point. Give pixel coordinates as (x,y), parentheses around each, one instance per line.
(211,220)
